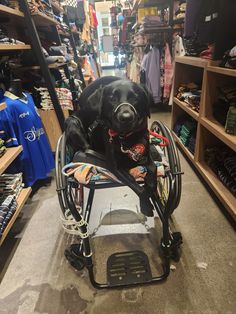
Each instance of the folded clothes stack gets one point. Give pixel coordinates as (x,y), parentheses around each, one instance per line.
(14,4)
(4,39)
(230,126)
(5,2)
(190,94)
(2,148)
(62,27)
(152,21)
(11,184)
(8,207)
(229,59)
(223,162)
(224,109)
(42,6)
(64,97)
(186,130)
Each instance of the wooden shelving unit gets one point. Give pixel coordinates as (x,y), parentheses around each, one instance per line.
(186,108)
(186,151)
(37,67)
(196,62)
(5,161)
(41,19)
(14,47)
(9,12)
(21,200)
(9,157)
(209,131)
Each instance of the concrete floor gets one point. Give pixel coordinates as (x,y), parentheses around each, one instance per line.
(36,277)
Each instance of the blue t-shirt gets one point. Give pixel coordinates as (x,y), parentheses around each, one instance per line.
(20,124)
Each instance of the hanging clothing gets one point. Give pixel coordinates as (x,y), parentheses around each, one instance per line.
(151,65)
(93,17)
(20,124)
(168,72)
(179,50)
(85,36)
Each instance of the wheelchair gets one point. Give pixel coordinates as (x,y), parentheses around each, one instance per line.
(123,268)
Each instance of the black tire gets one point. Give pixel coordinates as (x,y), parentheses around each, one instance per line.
(75,258)
(62,157)
(171,153)
(60,179)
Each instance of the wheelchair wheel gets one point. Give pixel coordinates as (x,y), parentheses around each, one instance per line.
(171,154)
(60,179)
(63,157)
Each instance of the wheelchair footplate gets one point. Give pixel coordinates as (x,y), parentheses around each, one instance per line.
(128,268)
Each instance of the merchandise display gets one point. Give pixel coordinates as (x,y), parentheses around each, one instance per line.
(117,137)
(186,130)
(190,94)
(20,124)
(223,162)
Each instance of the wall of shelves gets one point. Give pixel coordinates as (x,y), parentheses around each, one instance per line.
(209,131)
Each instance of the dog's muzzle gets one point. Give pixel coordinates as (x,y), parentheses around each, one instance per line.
(125,112)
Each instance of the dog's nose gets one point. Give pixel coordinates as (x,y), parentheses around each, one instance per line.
(126,116)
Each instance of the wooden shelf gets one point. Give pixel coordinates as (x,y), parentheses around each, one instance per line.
(3,106)
(224,71)
(9,12)
(186,108)
(226,197)
(41,19)
(156,29)
(9,157)
(14,47)
(22,198)
(186,151)
(217,129)
(37,67)
(197,62)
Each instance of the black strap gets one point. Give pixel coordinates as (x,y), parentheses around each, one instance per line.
(93,126)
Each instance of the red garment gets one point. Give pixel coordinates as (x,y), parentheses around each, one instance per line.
(93,17)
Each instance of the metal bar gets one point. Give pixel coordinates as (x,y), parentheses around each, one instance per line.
(36,45)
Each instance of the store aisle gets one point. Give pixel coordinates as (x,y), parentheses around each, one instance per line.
(39,280)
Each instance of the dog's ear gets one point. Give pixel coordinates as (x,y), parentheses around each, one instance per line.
(94,100)
(149,99)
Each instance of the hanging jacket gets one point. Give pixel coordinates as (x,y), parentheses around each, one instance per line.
(151,65)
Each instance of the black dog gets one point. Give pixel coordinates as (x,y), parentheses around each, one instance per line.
(112,120)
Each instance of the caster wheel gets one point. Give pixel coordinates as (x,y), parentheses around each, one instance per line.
(74,257)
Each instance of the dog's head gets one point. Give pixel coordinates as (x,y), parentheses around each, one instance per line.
(124,106)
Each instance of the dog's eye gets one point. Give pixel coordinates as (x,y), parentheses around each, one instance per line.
(113,97)
(132,98)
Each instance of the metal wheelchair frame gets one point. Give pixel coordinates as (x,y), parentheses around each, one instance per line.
(80,255)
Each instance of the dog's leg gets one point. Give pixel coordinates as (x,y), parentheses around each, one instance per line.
(151,177)
(75,134)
